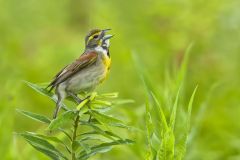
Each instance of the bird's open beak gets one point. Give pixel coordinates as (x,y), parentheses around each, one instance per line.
(108,36)
(105,30)
(103,33)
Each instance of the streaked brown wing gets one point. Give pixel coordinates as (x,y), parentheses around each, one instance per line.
(83,61)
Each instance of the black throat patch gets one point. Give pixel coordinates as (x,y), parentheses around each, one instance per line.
(106,48)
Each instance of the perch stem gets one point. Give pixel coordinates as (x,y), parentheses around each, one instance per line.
(75,127)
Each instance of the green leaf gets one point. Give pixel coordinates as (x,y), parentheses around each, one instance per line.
(43,91)
(182,145)
(149,127)
(45,151)
(91,138)
(85,156)
(61,120)
(66,133)
(190,110)
(101,109)
(102,148)
(50,138)
(34,116)
(160,110)
(204,106)
(183,68)
(108,95)
(174,111)
(101,102)
(83,103)
(166,150)
(105,119)
(98,131)
(122,101)
(43,146)
(39,89)
(92,96)
(85,146)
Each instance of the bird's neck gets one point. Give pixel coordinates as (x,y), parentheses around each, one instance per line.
(104,55)
(102,50)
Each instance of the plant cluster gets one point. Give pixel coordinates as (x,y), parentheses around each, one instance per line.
(79,132)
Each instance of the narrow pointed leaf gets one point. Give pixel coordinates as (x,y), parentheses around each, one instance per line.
(39,89)
(183,68)
(83,103)
(50,138)
(43,146)
(45,151)
(45,92)
(34,116)
(190,109)
(122,101)
(47,138)
(182,145)
(101,102)
(204,106)
(99,131)
(149,127)
(108,95)
(174,110)
(159,108)
(104,147)
(101,109)
(85,146)
(61,120)
(105,119)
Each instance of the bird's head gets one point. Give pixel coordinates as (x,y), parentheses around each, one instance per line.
(96,38)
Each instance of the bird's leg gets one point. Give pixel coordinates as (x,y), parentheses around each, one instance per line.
(75,97)
(86,97)
(90,116)
(58,106)
(78,100)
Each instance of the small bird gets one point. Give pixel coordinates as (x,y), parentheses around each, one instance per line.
(86,72)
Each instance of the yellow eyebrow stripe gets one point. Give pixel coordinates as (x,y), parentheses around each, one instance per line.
(91,37)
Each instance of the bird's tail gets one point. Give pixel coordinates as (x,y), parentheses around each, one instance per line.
(51,88)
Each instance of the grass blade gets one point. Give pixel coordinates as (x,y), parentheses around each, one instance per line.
(149,126)
(182,72)
(181,147)
(159,108)
(174,110)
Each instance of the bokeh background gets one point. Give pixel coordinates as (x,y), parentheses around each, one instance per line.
(37,38)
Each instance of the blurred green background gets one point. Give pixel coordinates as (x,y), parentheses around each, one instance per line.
(38,38)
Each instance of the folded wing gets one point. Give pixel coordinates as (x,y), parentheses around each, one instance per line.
(83,61)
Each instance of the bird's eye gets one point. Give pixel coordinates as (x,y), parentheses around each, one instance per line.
(96,36)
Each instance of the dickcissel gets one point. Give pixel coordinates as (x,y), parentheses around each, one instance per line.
(86,72)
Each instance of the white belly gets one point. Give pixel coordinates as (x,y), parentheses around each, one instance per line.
(87,79)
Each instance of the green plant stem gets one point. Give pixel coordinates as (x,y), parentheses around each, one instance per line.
(75,127)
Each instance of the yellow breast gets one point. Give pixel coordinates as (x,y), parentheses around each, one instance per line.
(107,63)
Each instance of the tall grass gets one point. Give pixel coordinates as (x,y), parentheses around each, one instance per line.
(163,113)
